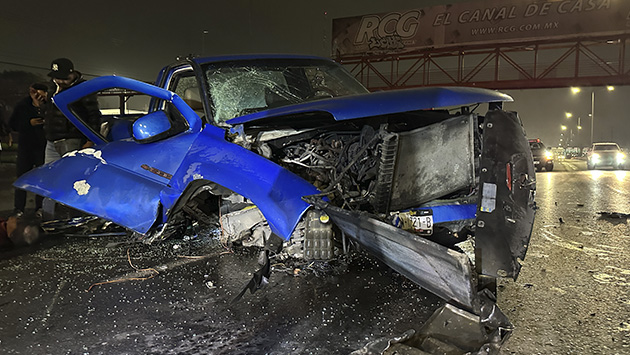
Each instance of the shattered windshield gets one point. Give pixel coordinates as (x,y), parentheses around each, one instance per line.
(238,88)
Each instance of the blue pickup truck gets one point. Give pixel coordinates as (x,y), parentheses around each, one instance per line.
(294,148)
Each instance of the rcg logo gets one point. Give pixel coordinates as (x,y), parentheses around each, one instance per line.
(389,31)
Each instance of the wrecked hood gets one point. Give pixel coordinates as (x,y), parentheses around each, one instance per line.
(383,102)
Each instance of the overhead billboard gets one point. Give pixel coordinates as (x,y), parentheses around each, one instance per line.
(487,21)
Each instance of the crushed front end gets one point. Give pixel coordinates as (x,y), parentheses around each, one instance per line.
(447,200)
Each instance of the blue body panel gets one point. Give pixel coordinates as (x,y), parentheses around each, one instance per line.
(275,190)
(451,213)
(384,102)
(87,183)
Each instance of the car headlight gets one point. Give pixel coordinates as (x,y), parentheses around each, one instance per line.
(621,157)
(595,157)
(548,155)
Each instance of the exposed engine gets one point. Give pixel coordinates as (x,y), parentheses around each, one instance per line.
(343,164)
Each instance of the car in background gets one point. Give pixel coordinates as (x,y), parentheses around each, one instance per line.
(543,157)
(606,154)
(572,152)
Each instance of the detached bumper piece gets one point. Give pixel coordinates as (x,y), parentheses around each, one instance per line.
(505,214)
(438,269)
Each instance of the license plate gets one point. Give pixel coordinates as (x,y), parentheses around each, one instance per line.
(422,221)
(417,221)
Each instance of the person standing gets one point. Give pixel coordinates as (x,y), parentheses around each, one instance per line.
(61,134)
(27,119)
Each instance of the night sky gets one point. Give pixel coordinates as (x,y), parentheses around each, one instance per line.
(135,38)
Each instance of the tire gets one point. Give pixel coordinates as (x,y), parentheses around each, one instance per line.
(539,168)
(549,168)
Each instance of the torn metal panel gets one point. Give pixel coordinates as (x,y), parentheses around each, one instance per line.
(451,328)
(451,331)
(434,161)
(440,270)
(506,211)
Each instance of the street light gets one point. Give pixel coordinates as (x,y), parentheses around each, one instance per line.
(579,122)
(576,90)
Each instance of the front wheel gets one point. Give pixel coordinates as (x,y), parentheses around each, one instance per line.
(549,168)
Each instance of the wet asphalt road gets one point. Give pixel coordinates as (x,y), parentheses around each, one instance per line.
(573,295)
(175,298)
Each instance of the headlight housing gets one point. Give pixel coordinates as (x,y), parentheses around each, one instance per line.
(621,157)
(548,155)
(595,157)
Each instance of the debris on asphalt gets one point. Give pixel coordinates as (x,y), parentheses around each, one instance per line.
(614,215)
(151,271)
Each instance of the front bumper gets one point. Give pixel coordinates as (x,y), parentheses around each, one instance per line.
(607,160)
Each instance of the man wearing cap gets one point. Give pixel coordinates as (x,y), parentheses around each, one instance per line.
(27,119)
(61,134)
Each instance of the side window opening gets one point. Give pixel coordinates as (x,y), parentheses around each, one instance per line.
(119,109)
(111,113)
(187,87)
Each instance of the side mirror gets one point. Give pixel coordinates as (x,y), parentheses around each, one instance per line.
(151,125)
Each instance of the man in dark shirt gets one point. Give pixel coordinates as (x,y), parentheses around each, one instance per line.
(27,119)
(61,134)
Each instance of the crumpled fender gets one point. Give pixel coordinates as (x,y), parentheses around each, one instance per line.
(275,190)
